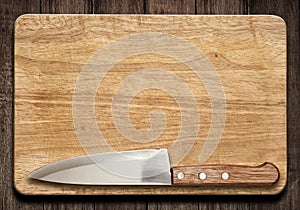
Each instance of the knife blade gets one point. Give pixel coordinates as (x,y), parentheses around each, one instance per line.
(150,167)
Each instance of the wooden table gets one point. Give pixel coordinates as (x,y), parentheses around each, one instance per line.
(288,199)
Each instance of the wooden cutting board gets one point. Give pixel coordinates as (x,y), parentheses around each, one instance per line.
(211,89)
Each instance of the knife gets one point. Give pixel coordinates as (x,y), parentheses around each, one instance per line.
(150,167)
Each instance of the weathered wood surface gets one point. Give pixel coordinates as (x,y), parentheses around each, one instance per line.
(288,199)
(57,66)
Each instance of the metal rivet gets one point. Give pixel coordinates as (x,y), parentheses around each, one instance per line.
(202,176)
(225,176)
(180,175)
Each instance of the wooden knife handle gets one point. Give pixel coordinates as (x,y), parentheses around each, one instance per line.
(264,174)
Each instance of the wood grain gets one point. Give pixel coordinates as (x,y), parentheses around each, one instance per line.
(204,7)
(10,199)
(9,11)
(289,10)
(119,7)
(66,6)
(180,205)
(121,206)
(173,7)
(152,7)
(47,92)
(220,175)
(219,7)
(170,7)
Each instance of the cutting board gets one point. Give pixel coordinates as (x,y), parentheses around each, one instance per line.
(210,89)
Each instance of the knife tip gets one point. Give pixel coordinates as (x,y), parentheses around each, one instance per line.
(34,175)
(31,175)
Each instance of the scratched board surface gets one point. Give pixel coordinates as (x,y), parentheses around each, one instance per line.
(211,89)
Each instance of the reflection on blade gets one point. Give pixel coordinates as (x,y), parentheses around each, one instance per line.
(139,167)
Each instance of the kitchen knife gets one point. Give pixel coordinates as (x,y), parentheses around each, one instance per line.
(150,167)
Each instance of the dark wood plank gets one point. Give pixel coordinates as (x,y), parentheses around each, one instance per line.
(66,6)
(289,11)
(220,7)
(222,205)
(170,7)
(173,205)
(74,204)
(9,11)
(119,7)
(117,205)
(294,116)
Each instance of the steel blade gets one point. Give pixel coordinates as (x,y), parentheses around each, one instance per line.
(138,167)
